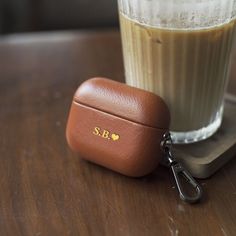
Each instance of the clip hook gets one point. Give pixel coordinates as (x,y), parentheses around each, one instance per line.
(179,171)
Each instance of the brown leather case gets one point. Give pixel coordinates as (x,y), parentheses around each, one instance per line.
(117,126)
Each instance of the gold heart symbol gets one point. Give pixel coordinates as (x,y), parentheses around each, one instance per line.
(115,137)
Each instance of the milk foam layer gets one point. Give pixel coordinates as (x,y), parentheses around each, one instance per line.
(179,14)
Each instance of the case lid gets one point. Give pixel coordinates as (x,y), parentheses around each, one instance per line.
(127,102)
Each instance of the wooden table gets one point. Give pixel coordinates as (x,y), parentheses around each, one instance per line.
(48,190)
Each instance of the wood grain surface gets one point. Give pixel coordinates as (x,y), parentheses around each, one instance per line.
(48,190)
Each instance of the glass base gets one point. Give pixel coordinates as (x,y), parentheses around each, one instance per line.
(198,135)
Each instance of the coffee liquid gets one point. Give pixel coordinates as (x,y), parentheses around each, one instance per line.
(188,68)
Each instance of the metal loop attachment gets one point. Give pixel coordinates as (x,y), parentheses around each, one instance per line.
(179,172)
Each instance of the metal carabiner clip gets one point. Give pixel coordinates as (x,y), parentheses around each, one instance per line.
(179,171)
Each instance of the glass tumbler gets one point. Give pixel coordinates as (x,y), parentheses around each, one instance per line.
(181,50)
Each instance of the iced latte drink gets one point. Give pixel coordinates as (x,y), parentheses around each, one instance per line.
(181,51)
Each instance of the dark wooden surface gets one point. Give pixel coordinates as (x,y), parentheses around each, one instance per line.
(47,190)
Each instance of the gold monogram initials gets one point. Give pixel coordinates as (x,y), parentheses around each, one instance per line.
(105,134)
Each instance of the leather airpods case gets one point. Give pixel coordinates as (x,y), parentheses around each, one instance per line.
(117,126)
